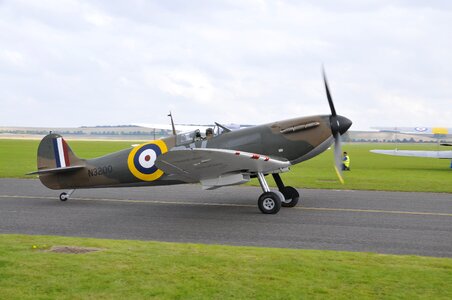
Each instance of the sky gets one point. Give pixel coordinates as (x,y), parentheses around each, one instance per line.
(84,63)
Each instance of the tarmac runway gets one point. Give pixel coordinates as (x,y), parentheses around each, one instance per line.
(371,221)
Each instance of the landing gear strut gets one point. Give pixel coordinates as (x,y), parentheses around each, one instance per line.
(269,202)
(291,195)
(65,196)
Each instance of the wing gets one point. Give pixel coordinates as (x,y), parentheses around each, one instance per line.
(416,153)
(217,167)
(179,127)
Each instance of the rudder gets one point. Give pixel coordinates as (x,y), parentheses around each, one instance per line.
(54,152)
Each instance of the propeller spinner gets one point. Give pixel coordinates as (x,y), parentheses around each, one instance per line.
(339,125)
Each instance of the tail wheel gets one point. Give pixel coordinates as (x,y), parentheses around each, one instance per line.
(269,203)
(64,196)
(291,195)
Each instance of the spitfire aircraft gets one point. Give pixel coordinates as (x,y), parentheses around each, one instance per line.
(228,158)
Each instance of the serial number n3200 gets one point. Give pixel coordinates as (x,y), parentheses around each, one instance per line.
(100,171)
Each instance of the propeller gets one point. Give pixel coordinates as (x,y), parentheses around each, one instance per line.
(339,125)
(338,157)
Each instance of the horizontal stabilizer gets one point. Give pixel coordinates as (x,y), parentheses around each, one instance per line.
(56,170)
(416,153)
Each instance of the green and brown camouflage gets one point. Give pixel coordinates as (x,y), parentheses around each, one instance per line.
(227,158)
(292,140)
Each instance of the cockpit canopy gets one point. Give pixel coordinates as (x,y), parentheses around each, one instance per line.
(205,133)
(189,137)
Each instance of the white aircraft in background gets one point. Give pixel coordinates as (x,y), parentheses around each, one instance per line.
(424,131)
(438,132)
(443,154)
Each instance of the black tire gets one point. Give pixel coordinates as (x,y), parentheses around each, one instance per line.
(63,196)
(291,195)
(280,195)
(269,203)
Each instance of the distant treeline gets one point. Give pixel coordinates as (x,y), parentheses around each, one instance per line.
(160,132)
(80,132)
(88,131)
(411,140)
(108,126)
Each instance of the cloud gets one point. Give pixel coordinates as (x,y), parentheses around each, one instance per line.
(231,61)
(11,57)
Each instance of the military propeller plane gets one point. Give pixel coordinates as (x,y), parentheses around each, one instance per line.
(228,158)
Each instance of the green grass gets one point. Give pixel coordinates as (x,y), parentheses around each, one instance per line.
(369,171)
(137,270)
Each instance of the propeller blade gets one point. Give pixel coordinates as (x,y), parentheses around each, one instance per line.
(328,95)
(338,157)
(339,125)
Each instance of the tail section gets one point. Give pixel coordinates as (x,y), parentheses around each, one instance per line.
(55,156)
(54,152)
(55,159)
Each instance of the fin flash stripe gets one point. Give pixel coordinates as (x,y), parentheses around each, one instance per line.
(60,149)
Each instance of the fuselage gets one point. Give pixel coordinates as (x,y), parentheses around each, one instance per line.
(293,140)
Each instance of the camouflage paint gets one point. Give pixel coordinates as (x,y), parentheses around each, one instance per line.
(293,140)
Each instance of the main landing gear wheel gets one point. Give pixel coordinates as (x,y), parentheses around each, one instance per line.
(269,203)
(291,196)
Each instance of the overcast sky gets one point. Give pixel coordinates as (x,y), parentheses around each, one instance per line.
(74,63)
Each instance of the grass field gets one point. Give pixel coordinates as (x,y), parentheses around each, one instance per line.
(369,171)
(136,270)
(141,270)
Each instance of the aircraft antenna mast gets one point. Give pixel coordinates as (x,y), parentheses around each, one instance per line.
(172,123)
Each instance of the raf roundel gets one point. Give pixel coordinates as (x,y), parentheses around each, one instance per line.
(141,160)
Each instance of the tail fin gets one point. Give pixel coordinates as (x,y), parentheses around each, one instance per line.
(55,155)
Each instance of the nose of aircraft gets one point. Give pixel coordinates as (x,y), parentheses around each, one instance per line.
(344,124)
(340,124)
